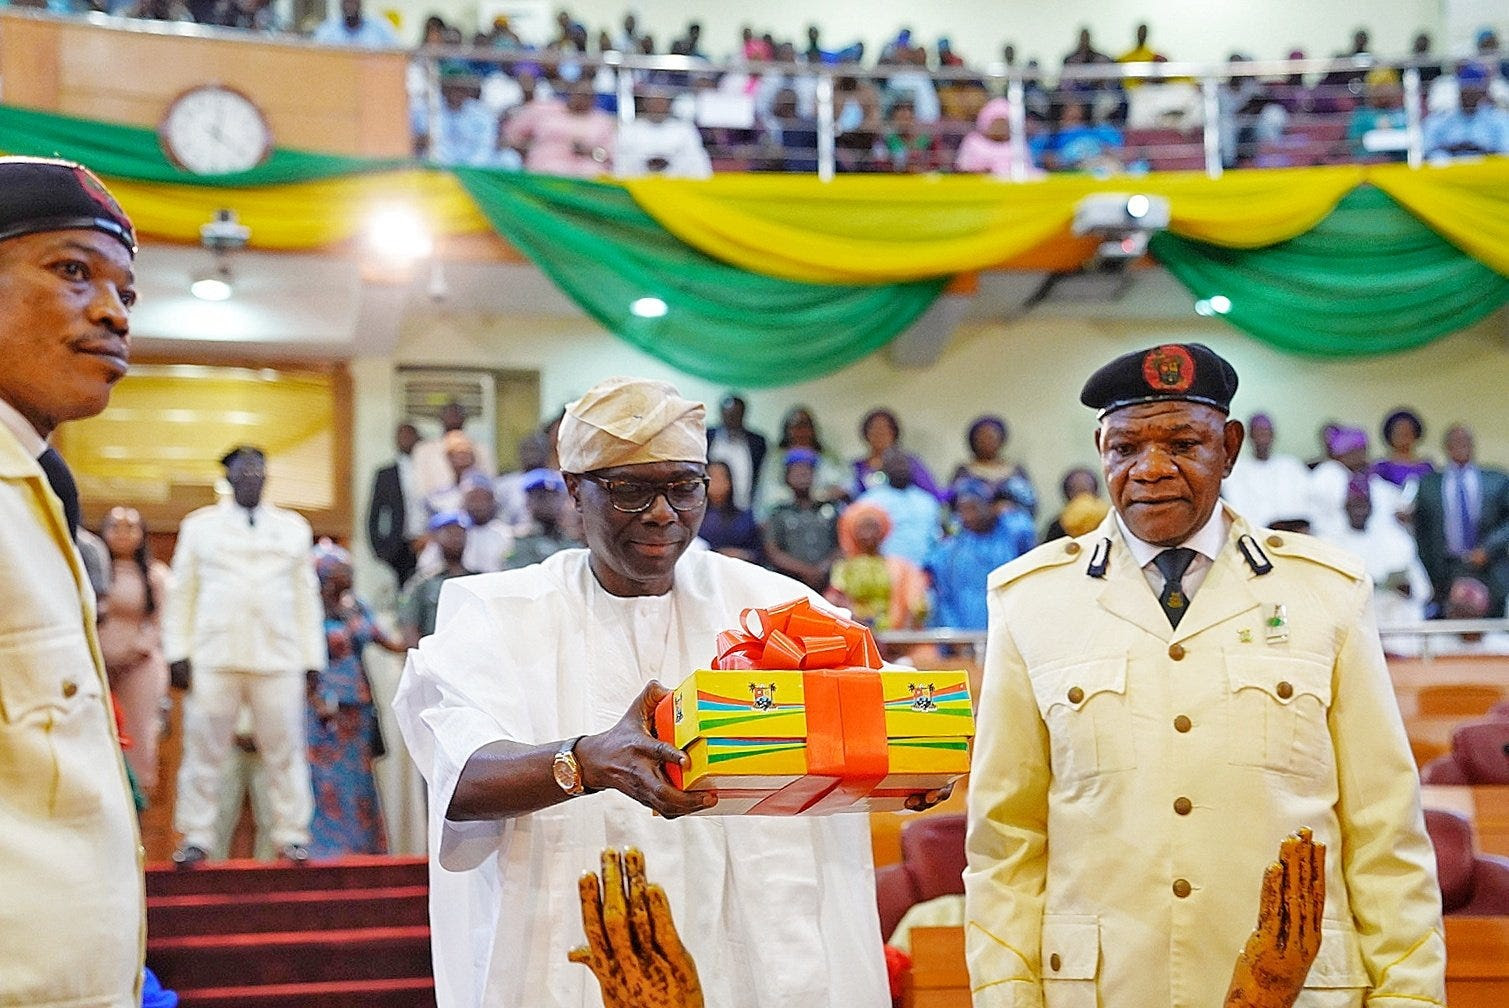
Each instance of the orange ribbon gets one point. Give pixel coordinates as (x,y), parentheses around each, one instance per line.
(796,635)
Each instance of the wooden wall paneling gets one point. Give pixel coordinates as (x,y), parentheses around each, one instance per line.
(28,61)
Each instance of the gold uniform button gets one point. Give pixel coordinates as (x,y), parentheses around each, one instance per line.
(1182,805)
(1182,888)
(1274,541)
(1285,691)
(1054,962)
(1076,694)
(1071,549)
(69,688)
(1176,652)
(1182,724)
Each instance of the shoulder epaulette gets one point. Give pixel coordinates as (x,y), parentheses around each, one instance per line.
(1051,554)
(1305,547)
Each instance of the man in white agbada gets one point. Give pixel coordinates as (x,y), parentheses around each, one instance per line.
(538,685)
(1267,487)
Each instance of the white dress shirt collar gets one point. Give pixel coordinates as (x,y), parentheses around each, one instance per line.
(32,443)
(1207,541)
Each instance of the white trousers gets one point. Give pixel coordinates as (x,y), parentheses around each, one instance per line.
(276,702)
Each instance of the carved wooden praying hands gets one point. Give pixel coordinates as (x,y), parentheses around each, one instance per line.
(1270,971)
(632,945)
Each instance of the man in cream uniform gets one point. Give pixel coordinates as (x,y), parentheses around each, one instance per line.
(1222,687)
(72,916)
(246,617)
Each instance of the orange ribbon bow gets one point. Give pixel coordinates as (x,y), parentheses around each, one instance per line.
(796,635)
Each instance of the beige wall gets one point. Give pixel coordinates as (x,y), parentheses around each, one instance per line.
(1029,371)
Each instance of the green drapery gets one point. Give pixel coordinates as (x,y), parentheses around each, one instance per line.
(721,322)
(1369,279)
(131,152)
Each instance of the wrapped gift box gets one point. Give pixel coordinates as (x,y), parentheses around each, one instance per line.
(819,735)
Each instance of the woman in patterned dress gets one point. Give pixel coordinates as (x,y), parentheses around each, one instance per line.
(342,720)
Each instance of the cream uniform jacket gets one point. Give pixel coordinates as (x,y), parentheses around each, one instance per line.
(72,911)
(1132,781)
(246,595)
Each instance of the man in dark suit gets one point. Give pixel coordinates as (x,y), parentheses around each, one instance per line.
(396,516)
(741,448)
(1462,523)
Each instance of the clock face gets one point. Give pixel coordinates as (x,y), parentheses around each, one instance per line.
(215,130)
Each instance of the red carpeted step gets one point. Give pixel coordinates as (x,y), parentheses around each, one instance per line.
(283,957)
(409,993)
(357,872)
(252,912)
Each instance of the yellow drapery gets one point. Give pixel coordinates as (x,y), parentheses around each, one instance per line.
(301,215)
(880,229)
(1467,204)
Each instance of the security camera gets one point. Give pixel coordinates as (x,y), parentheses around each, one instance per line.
(225,233)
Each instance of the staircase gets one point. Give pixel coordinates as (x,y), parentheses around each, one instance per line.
(352,933)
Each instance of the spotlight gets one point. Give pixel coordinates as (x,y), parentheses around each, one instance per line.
(648,307)
(215,285)
(1138,206)
(397,234)
(1220,304)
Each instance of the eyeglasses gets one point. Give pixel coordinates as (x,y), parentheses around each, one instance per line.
(632,497)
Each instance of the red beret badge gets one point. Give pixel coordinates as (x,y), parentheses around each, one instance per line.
(1168,368)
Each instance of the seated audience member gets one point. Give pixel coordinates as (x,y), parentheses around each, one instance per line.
(545,497)
(989,148)
(1402,430)
(881,430)
(1401,588)
(466,129)
(801,534)
(859,124)
(1083,506)
(1008,480)
(420,599)
(788,139)
(1074,143)
(1474,125)
(883,592)
(571,137)
(350,26)
(157,10)
(798,430)
(728,528)
(658,143)
(906,146)
(913,84)
(1377,125)
(489,539)
(1467,599)
(341,719)
(1332,479)
(916,516)
(251,15)
(1270,490)
(959,564)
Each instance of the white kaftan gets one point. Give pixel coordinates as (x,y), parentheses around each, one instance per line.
(775,911)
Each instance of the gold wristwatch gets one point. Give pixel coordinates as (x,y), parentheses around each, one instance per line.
(567,771)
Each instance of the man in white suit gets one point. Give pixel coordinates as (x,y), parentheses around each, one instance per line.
(72,913)
(245,621)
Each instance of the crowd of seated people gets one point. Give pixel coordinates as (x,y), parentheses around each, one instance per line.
(913,108)
(882,534)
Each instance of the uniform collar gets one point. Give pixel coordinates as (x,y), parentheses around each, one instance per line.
(31,442)
(1208,541)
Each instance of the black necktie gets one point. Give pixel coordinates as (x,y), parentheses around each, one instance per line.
(1172,563)
(61,481)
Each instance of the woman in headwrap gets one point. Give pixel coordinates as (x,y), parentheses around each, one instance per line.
(881,430)
(342,720)
(1346,469)
(884,592)
(1402,430)
(1008,481)
(988,149)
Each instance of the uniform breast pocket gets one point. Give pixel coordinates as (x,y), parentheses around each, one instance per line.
(1085,708)
(56,749)
(1279,705)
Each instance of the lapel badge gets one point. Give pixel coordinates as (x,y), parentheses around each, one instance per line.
(1244,635)
(1277,626)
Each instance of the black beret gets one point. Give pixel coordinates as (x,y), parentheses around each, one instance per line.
(1191,372)
(238,451)
(42,194)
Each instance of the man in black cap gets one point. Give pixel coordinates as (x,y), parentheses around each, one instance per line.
(71,917)
(1164,699)
(245,625)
